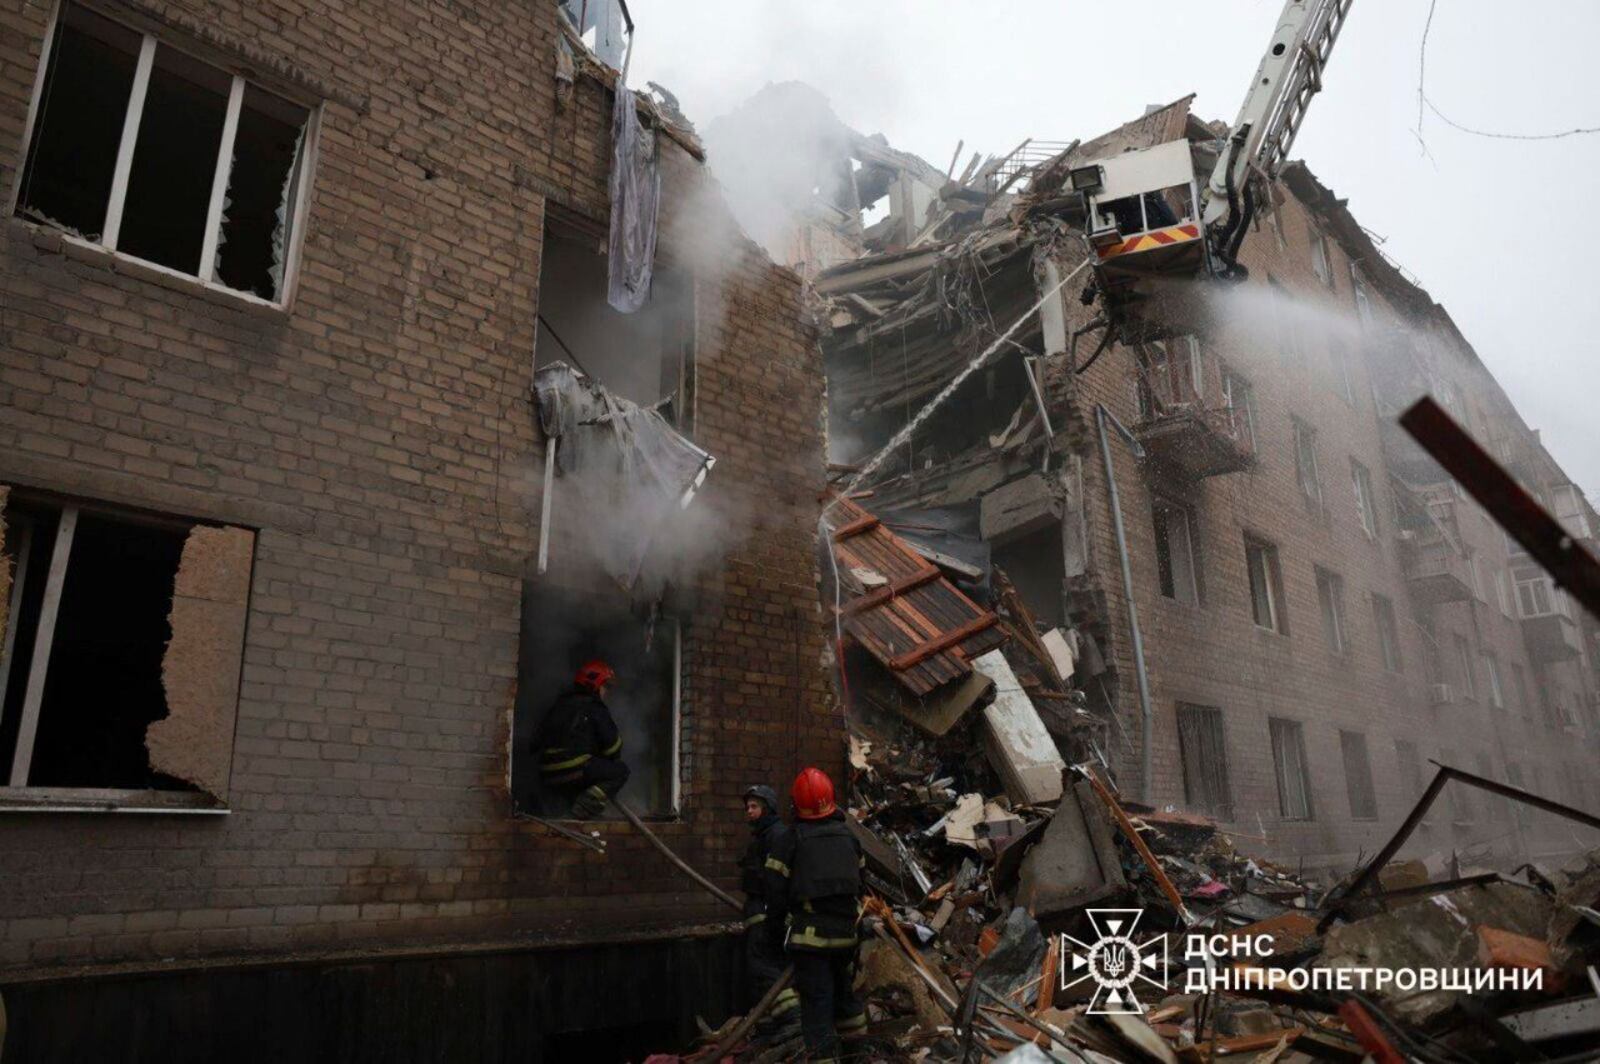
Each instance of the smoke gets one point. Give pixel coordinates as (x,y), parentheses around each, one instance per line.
(776,155)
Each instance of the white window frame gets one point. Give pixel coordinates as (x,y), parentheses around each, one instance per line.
(301,172)
(1238,395)
(1569,516)
(1305,447)
(1330,596)
(1321,257)
(1186,528)
(1254,549)
(1388,632)
(1502,587)
(1288,738)
(1363,298)
(1366,506)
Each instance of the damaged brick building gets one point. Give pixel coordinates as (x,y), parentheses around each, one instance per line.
(1320,609)
(282,587)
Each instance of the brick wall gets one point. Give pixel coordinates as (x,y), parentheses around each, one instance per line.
(378,436)
(1213,654)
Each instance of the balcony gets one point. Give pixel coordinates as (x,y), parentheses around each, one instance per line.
(1437,573)
(1191,441)
(1551,638)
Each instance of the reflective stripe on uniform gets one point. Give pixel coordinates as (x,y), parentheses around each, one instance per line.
(562,766)
(614,749)
(751,921)
(785,1001)
(810,937)
(775,865)
(858,1022)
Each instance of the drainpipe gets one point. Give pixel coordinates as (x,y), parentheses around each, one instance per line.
(1141,677)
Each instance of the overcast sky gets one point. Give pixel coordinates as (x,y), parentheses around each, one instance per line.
(1496,230)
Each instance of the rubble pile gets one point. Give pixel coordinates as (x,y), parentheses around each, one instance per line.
(995,868)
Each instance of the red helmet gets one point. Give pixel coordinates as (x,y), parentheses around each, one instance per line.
(594,675)
(812,794)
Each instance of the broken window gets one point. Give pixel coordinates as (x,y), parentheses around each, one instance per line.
(122,637)
(147,151)
(646,356)
(1358,776)
(1239,398)
(1330,596)
(1465,672)
(605,26)
(1410,762)
(1175,554)
(1388,633)
(1321,264)
(1366,506)
(1497,697)
(1305,462)
(562,629)
(1289,762)
(1266,585)
(1203,749)
(1172,377)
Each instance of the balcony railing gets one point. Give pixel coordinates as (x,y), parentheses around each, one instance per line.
(1193,441)
(1437,573)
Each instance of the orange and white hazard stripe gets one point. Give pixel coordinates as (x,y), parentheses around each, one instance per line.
(1175,234)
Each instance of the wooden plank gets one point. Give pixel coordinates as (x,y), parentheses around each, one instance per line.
(22,759)
(855,528)
(944,641)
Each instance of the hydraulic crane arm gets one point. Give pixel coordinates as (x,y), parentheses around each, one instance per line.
(1290,74)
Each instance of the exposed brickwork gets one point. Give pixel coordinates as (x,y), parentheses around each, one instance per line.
(378,437)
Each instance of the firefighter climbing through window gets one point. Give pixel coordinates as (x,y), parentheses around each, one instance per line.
(764,959)
(579,747)
(815,878)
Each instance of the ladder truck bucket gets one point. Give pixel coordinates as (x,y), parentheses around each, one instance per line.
(1143,221)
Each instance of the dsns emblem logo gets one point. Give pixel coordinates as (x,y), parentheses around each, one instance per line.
(1115,962)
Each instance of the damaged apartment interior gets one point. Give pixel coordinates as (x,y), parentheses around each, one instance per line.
(1111,519)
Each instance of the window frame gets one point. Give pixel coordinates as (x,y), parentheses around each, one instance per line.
(1366,504)
(1305,454)
(1243,401)
(1271,584)
(1285,735)
(1321,256)
(1355,754)
(1205,718)
(1330,600)
(1164,508)
(22,797)
(1388,626)
(302,171)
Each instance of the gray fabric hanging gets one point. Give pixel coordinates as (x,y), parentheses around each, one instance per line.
(635,194)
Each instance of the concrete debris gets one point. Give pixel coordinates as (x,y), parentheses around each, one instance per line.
(1019,745)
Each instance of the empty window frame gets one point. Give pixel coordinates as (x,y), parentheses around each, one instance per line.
(147,151)
(121,638)
(1330,597)
(1321,262)
(1410,762)
(1175,552)
(1172,376)
(1366,505)
(1358,776)
(1202,746)
(1465,671)
(1289,763)
(1388,632)
(1497,697)
(1305,462)
(1239,399)
(1266,585)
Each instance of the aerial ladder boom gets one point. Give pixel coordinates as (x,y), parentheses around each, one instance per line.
(1290,74)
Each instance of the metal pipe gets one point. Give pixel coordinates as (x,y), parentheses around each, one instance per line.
(1141,676)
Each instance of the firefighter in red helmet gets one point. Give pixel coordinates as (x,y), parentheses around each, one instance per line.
(579,747)
(816,880)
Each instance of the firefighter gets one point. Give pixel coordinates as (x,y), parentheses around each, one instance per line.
(764,958)
(815,877)
(579,746)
